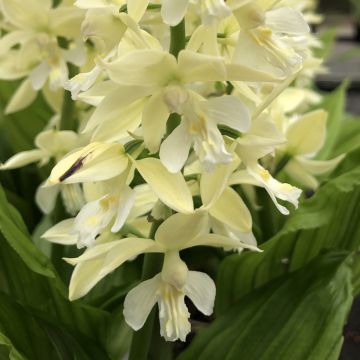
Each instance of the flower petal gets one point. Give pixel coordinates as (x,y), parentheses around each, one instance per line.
(319,167)
(112,106)
(170,188)
(22,98)
(144,67)
(137,8)
(155,116)
(24,158)
(61,233)
(39,75)
(27,15)
(173,12)
(45,197)
(66,21)
(126,202)
(230,111)
(144,201)
(212,184)
(287,21)
(11,39)
(275,188)
(117,127)
(139,301)
(215,240)
(95,162)
(300,175)
(179,229)
(102,259)
(175,149)
(307,135)
(195,66)
(230,209)
(201,290)
(57,142)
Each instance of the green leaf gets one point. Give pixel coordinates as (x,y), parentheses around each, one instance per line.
(11,352)
(18,130)
(299,316)
(328,220)
(35,285)
(349,136)
(328,39)
(17,133)
(334,103)
(38,337)
(14,230)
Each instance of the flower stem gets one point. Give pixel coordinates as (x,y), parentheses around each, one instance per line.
(177,38)
(141,340)
(177,43)
(67,119)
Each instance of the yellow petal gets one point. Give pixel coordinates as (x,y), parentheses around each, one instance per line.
(307,135)
(154,121)
(61,233)
(102,259)
(22,98)
(231,210)
(95,162)
(178,229)
(137,8)
(219,241)
(170,188)
(24,158)
(212,184)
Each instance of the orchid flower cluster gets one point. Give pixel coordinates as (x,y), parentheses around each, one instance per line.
(178,103)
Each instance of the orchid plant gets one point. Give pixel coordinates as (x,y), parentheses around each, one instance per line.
(176,125)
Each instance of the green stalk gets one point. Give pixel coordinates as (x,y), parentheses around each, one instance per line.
(67,120)
(177,43)
(177,38)
(141,341)
(282,163)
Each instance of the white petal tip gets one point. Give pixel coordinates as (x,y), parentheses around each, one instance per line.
(71,261)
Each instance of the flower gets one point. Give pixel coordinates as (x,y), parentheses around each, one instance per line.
(199,128)
(173,313)
(51,144)
(272,37)
(178,232)
(303,145)
(31,47)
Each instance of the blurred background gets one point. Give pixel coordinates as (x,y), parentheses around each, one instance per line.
(342,22)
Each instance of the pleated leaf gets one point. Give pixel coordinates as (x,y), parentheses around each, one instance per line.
(299,316)
(328,220)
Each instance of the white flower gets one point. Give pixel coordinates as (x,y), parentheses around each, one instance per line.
(178,232)
(199,128)
(173,11)
(95,162)
(31,46)
(95,216)
(51,144)
(270,37)
(306,136)
(173,313)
